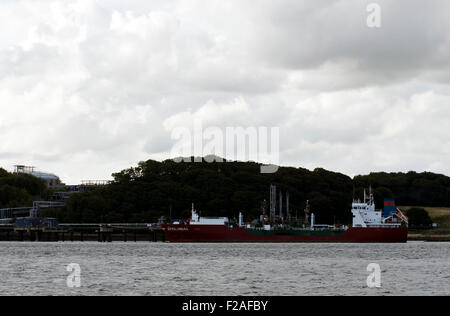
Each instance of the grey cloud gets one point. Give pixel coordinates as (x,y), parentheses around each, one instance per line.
(95,82)
(306,35)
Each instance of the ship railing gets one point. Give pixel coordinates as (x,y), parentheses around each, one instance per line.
(386,225)
(326,228)
(139,225)
(319,228)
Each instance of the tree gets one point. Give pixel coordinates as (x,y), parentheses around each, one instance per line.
(152,188)
(418,217)
(380,194)
(3,173)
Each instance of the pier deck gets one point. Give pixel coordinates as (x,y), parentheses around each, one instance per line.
(83,232)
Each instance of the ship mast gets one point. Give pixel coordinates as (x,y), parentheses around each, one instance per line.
(281,206)
(273,202)
(263,209)
(307,211)
(288,214)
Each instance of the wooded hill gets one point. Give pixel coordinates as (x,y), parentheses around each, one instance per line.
(17,190)
(154,189)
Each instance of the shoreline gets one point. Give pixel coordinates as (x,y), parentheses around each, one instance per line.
(441,234)
(434,238)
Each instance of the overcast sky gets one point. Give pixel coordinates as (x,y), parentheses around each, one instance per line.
(88,88)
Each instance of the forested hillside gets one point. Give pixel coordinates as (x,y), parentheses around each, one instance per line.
(18,190)
(167,188)
(154,189)
(412,188)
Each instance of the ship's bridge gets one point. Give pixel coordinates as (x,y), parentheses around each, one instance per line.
(364,214)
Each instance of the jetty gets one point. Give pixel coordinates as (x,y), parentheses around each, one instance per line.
(82,232)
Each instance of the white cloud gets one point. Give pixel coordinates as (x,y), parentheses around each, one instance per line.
(90,87)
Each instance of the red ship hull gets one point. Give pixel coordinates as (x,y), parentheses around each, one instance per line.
(222,233)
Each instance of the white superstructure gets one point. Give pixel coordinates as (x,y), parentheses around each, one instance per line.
(365,214)
(196,219)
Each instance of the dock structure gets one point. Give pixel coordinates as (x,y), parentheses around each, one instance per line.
(95,182)
(7,213)
(87,185)
(83,232)
(26,223)
(57,200)
(32,212)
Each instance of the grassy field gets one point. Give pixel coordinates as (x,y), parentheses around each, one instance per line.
(439,215)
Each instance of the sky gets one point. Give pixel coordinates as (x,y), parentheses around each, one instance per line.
(91,87)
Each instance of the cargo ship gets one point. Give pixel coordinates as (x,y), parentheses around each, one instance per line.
(369,226)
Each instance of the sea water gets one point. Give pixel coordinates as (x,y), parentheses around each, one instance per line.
(145,268)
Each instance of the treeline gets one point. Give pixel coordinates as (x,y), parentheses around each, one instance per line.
(154,189)
(412,188)
(17,190)
(167,188)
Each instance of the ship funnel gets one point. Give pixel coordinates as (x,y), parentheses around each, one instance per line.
(389,207)
(241,219)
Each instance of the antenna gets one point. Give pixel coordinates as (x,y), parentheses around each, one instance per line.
(273,201)
(263,208)
(281,205)
(288,213)
(307,211)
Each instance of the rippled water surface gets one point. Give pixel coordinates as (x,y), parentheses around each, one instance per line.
(414,268)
